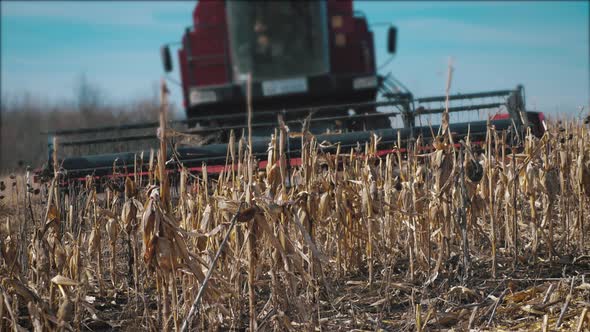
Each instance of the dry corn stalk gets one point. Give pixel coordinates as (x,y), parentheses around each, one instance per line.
(323,231)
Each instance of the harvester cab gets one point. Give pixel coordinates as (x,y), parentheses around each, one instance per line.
(291,61)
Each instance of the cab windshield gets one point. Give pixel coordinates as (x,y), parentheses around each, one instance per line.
(277,39)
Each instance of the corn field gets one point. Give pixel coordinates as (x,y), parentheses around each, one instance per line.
(475,235)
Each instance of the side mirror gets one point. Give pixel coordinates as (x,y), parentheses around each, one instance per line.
(187,41)
(391,39)
(166,58)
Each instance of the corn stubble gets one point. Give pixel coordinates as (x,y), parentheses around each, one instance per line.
(468,237)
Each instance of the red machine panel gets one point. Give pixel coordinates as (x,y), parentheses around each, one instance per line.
(351,43)
(208,47)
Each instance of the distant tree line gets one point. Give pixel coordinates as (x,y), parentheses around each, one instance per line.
(24,116)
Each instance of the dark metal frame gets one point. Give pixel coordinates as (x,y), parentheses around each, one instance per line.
(514,103)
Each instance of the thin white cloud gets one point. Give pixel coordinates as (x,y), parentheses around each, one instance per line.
(29,61)
(113,58)
(459,31)
(135,13)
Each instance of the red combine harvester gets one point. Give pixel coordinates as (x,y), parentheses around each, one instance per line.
(310,60)
(304,54)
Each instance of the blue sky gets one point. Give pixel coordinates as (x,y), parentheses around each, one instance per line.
(47,45)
